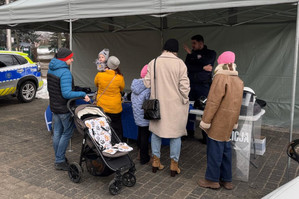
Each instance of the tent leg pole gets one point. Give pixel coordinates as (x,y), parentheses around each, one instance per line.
(71,35)
(71,40)
(294,84)
(71,48)
(161,32)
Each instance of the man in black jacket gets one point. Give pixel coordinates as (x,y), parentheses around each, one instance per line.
(199,61)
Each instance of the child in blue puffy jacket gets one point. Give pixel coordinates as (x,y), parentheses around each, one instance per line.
(139,94)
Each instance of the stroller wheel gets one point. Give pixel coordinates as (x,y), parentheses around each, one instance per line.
(75,172)
(114,187)
(129,179)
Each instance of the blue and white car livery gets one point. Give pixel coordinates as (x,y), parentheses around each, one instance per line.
(19,76)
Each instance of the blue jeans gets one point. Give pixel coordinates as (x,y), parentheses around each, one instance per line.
(219,161)
(63,131)
(175,147)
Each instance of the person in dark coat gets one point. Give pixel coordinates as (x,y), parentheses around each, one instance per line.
(60,87)
(199,61)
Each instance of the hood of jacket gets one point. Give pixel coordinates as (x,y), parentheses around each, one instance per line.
(137,86)
(224,69)
(57,64)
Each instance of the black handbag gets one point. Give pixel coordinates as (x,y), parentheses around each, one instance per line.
(151,106)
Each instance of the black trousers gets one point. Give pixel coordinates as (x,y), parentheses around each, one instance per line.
(116,125)
(143,142)
(197,90)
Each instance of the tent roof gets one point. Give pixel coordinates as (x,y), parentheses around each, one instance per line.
(118,15)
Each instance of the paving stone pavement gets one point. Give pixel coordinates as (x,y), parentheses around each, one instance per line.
(27,170)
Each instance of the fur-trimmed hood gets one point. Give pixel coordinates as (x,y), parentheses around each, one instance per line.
(226,70)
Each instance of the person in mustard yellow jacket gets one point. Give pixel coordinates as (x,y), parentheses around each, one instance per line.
(110,84)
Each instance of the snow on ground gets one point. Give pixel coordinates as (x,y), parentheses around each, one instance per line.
(44,51)
(43,93)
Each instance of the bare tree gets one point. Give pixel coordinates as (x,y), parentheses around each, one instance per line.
(3,32)
(59,40)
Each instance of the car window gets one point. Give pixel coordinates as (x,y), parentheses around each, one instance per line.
(7,60)
(15,61)
(21,59)
(2,64)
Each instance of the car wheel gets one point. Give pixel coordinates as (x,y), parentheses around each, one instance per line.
(27,92)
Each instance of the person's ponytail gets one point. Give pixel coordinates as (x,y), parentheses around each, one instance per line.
(117,71)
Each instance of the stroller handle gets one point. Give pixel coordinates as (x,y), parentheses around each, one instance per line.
(68,105)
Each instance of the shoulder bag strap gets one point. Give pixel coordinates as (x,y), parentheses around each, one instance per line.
(106,88)
(155,78)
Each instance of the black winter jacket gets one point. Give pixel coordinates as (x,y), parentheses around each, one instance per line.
(195,63)
(57,102)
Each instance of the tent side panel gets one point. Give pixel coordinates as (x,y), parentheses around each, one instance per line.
(134,50)
(264,56)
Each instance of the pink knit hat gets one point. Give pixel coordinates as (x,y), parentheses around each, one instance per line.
(143,71)
(226,58)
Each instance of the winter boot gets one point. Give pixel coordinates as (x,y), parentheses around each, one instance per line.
(227,185)
(174,168)
(156,164)
(208,184)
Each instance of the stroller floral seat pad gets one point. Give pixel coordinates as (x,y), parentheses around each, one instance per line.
(100,131)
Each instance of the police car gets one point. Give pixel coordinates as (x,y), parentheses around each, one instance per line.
(19,76)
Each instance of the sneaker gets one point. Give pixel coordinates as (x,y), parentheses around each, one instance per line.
(62,166)
(208,184)
(227,185)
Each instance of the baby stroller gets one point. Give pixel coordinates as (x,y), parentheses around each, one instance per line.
(293,150)
(95,153)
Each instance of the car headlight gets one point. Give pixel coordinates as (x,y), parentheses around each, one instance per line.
(38,67)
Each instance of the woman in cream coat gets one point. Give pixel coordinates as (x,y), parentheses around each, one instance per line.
(172,89)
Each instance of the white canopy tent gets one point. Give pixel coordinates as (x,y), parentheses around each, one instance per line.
(134,31)
(29,11)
